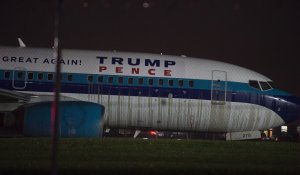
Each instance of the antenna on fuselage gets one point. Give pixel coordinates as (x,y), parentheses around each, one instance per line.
(21,43)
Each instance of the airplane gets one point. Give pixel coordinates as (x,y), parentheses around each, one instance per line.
(154,91)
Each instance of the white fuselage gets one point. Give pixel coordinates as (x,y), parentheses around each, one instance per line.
(205,101)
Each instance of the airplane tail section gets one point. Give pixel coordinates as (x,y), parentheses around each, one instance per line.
(21,43)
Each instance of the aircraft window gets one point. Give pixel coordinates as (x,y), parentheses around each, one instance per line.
(50,77)
(171,83)
(6,74)
(254,84)
(20,75)
(141,81)
(30,76)
(100,79)
(180,83)
(110,80)
(191,83)
(90,78)
(264,85)
(150,81)
(160,82)
(130,80)
(271,83)
(120,80)
(40,76)
(70,77)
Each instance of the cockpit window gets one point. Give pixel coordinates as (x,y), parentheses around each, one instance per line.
(262,85)
(254,84)
(271,83)
(265,85)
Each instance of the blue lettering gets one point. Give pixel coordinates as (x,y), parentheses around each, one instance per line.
(134,61)
(138,61)
(101,59)
(117,60)
(169,63)
(149,62)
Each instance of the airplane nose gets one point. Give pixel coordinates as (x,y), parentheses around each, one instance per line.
(292,109)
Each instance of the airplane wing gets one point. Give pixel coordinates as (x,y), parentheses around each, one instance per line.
(10,100)
(13,96)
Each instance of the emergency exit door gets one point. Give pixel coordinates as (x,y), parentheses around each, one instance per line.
(218,87)
(19,78)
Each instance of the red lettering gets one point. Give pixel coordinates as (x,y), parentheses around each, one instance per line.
(167,72)
(151,71)
(135,71)
(119,69)
(102,68)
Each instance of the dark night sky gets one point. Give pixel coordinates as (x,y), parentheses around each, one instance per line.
(257,34)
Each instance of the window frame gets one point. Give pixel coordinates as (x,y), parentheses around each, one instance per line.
(254,87)
(50,75)
(120,80)
(141,81)
(40,76)
(110,80)
(130,80)
(30,76)
(191,83)
(180,83)
(90,78)
(100,79)
(170,82)
(20,75)
(264,84)
(160,82)
(7,75)
(150,82)
(70,77)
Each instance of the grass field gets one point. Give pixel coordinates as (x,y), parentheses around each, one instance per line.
(129,156)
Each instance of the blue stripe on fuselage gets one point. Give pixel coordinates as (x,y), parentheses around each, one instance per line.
(236,92)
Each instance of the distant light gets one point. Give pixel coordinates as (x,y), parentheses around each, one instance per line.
(236,6)
(146,5)
(152,133)
(284,128)
(85,4)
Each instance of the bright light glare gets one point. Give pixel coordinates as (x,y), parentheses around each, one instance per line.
(153,133)
(146,5)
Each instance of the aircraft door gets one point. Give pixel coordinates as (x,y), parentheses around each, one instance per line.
(19,78)
(280,106)
(218,87)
